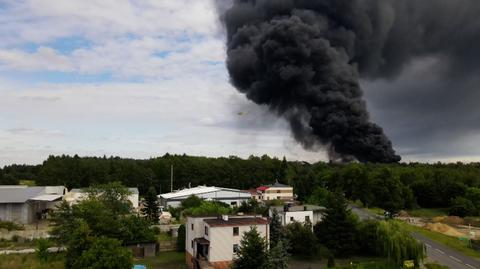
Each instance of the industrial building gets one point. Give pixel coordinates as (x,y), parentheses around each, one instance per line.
(212,242)
(26,205)
(232,197)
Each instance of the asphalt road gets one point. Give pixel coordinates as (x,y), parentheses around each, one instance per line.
(435,251)
(447,256)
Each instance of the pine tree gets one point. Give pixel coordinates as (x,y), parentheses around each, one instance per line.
(278,256)
(337,231)
(252,252)
(276,230)
(151,208)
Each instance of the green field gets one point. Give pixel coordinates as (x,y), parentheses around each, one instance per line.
(30,261)
(165,260)
(428,212)
(452,242)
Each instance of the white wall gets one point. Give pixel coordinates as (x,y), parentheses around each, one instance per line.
(298,216)
(271,193)
(222,241)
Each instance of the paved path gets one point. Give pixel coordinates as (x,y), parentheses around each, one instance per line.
(435,251)
(30,250)
(447,256)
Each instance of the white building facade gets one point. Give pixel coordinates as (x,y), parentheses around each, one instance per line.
(276,191)
(231,197)
(302,214)
(214,241)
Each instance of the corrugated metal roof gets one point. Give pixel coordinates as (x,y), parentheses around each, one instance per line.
(196,191)
(16,194)
(189,192)
(47,197)
(132,190)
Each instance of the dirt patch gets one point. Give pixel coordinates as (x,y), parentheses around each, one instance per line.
(444,229)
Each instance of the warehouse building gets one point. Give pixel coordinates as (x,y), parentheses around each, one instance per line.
(231,197)
(26,205)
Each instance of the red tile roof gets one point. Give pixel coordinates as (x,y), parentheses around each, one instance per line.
(262,188)
(236,222)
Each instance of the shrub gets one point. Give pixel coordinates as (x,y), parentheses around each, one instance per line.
(42,249)
(10,226)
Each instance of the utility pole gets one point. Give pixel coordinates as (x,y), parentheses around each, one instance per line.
(171,178)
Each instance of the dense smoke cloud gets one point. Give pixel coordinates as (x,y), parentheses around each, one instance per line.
(304,59)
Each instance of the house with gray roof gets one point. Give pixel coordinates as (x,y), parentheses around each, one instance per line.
(24,204)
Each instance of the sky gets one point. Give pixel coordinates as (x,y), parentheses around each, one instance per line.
(138,79)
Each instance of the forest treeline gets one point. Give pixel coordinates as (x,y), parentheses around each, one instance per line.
(389,186)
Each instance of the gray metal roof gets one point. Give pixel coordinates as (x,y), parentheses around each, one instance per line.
(21,194)
(132,190)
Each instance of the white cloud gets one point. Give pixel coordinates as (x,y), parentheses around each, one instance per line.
(184,103)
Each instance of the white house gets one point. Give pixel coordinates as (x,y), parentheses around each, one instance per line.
(76,195)
(276,191)
(300,213)
(213,241)
(23,204)
(232,197)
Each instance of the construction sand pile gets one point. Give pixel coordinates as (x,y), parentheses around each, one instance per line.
(444,229)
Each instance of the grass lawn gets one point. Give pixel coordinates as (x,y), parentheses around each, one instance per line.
(30,261)
(428,212)
(357,263)
(376,210)
(165,260)
(164,237)
(27,182)
(450,241)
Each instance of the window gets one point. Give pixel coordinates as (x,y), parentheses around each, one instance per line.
(233,203)
(278,197)
(235,248)
(279,191)
(307,218)
(192,226)
(206,230)
(235,231)
(192,244)
(292,219)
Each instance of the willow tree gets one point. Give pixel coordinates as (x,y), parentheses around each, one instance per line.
(397,244)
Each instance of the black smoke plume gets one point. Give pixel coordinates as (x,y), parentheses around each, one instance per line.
(304,58)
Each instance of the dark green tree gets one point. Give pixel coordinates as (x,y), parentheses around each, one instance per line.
(278,256)
(301,239)
(151,209)
(338,229)
(181,238)
(192,201)
(462,207)
(252,251)
(104,253)
(276,229)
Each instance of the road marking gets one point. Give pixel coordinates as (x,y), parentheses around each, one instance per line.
(470,266)
(453,258)
(440,251)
